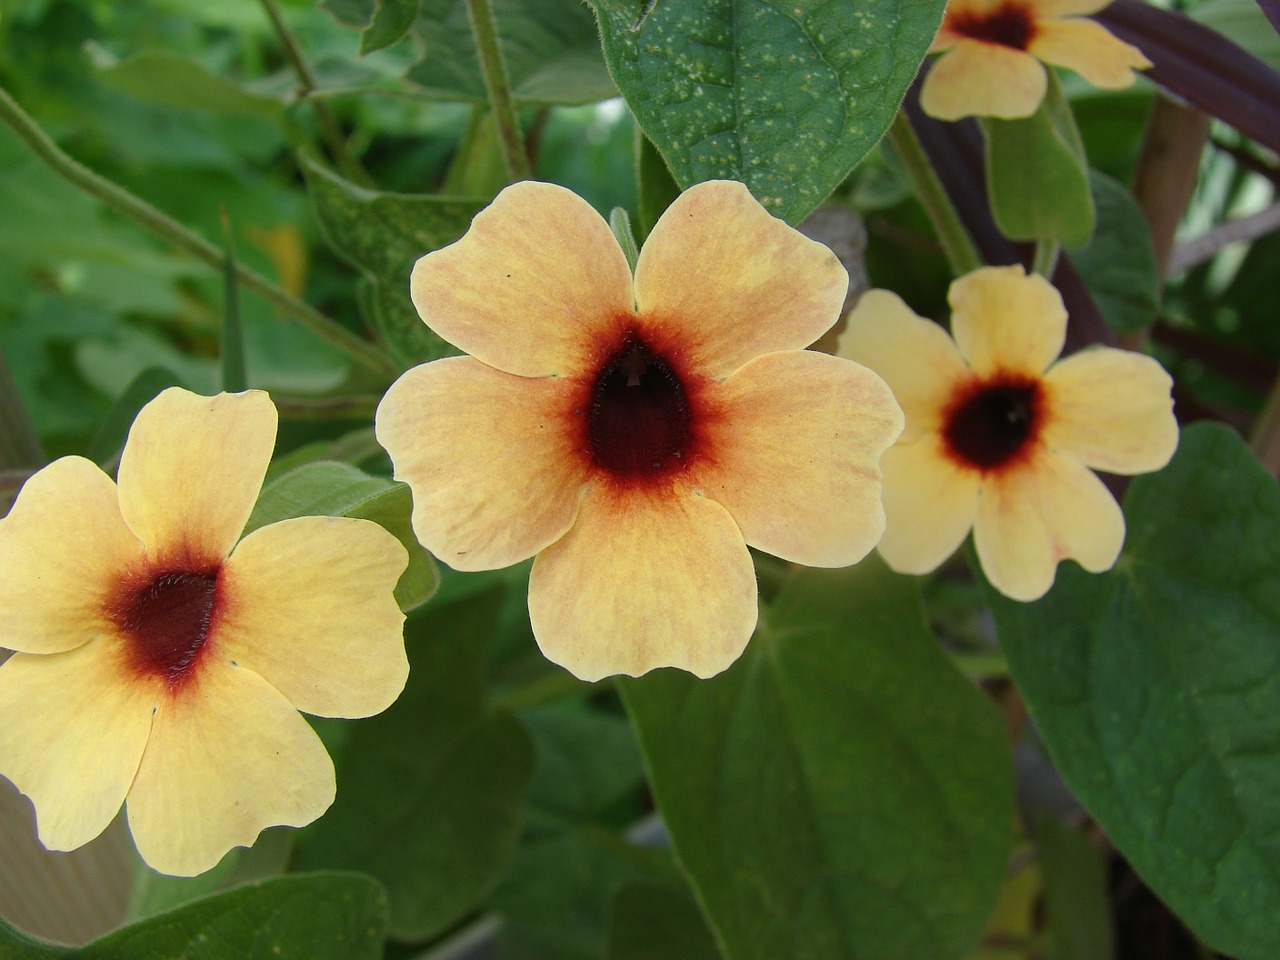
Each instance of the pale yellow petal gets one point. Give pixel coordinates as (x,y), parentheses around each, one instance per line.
(531,286)
(309,607)
(1089,49)
(724,281)
(796,455)
(1112,410)
(191,471)
(63,547)
(1005,321)
(228,757)
(1031,519)
(929,502)
(916,357)
(494,461)
(985,80)
(643,580)
(72,730)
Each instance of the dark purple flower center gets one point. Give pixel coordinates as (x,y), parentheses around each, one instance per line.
(167,620)
(1009,25)
(639,423)
(988,427)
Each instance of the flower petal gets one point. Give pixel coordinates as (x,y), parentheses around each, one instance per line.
(728,281)
(929,502)
(493,460)
(1112,410)
(72,730)
(532,283)
(228,757)
(1051,510)
(644,580)
(915,356)
(797,455)
(1067,8)
(1089,49)
(192,468)
(62,547)
(983,79)
(310,609)
(1005,321)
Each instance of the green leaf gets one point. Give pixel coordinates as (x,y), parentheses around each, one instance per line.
(384,234)
(1119,264)
(330,489)
(651,920)
(1077,903)
(430,792)
(174,81)
(235,372)
(785,97)
(113,430)
(319,916)
(391,21)
(654,184)
(1037,175)
(550,49)
(842,791)
(1156,688)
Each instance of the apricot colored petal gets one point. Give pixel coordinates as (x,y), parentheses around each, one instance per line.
(228,757)
(1112,410)
(62,547)
(1044,9)
(725,281)
(797,455)
(644,580)
(310,609)
(493,460)
(916,357)
(1051,510)
(530,286)
(1089,49)
(983,79)
(1006,321)
(929,503)
(72,730)
(192,468)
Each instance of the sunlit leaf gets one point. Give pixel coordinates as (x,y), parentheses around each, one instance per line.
(786,97)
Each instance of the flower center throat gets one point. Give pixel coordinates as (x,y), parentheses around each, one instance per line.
(988,428)
(167,619)
(639,423)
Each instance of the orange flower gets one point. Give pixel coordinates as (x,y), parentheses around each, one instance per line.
(992,52)
(636,434)
(1000,437)
(157,663)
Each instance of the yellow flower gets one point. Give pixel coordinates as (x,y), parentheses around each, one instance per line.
(1000,437)
(157,663)
(636,434)
(992,52)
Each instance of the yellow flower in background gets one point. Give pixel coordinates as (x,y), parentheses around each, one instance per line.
(994,51)
(635,434)
(156,663)
(1001,434)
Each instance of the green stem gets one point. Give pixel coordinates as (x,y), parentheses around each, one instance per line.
(329,128)
(147,216)
(497,85)
(1045,259)
(956,244)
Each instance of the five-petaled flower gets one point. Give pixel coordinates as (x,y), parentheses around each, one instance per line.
(992,53)
(636,434)
(155,663)
(1000,437)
